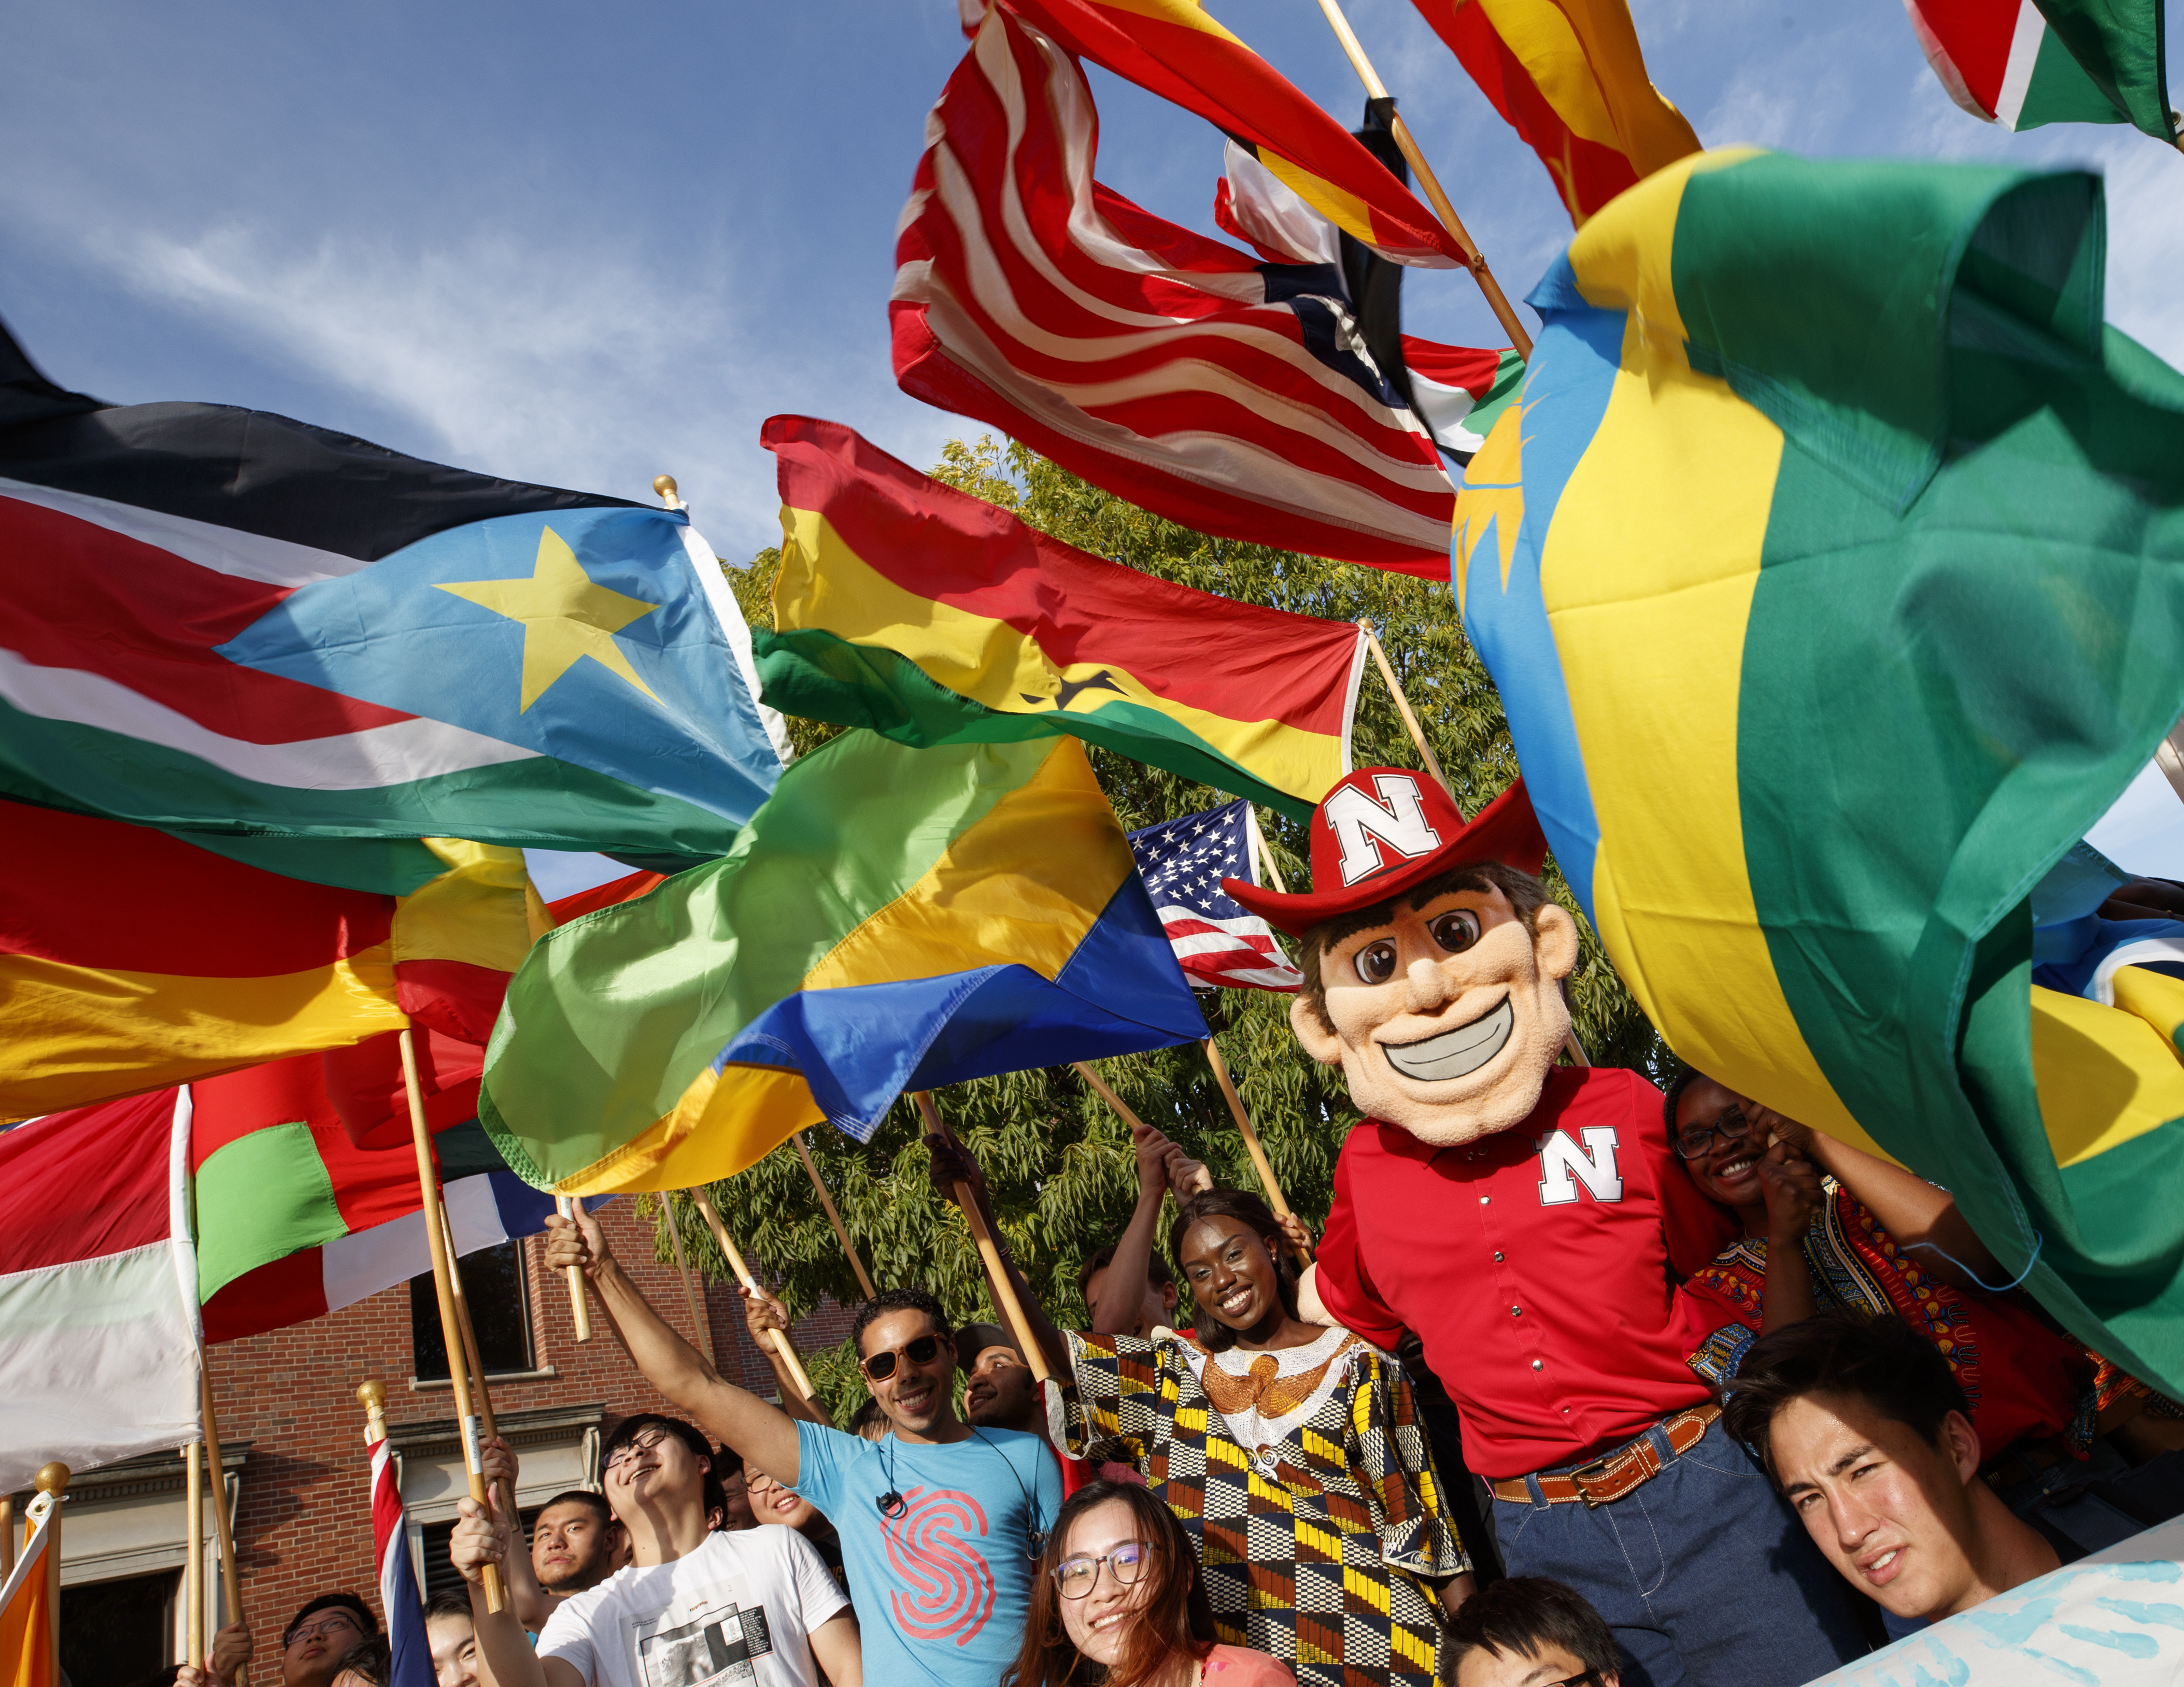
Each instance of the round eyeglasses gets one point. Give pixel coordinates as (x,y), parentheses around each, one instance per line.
(1076,1576)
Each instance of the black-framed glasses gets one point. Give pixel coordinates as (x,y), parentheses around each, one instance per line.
(643,1442)
(1730,1125)
(919,1349)
(1077,1576)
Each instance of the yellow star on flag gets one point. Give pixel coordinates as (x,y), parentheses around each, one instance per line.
(567,616)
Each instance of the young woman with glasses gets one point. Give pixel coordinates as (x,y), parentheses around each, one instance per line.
(1119,1591)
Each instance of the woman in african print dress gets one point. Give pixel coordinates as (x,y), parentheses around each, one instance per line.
(1289,1451)
(1812,1242)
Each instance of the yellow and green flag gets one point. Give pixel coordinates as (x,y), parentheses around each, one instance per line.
(1830,564)
(892,919)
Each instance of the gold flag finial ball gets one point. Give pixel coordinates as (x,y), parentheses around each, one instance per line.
(669,494)
(52,1477)
(372,1395)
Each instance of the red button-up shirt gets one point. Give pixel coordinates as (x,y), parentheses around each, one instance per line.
(1535,1264)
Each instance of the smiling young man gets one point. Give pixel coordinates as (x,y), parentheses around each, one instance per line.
(1868,1434)
(940,1523)
(695,1604)
(1529,1221)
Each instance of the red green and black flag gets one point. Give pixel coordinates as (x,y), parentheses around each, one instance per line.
(228,623)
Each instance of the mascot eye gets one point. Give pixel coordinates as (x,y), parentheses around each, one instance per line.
(1376,962)
(1456,932)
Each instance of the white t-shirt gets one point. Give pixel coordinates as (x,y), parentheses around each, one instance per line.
(740,1611)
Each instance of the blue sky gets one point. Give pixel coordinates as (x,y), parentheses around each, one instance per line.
(583,245)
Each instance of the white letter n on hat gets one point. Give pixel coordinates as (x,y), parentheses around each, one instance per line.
(1361,825)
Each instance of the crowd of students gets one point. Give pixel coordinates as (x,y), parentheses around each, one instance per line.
(1256,1497)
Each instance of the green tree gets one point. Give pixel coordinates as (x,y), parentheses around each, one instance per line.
(1059,1164)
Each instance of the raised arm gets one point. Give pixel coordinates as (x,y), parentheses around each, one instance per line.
(762,1313)
(760,1430)
(533,1604)
(1909,1208)
(953,1166)
(505,1657)
(1122,1290)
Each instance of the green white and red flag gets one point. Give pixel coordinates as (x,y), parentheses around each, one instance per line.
(2023,64)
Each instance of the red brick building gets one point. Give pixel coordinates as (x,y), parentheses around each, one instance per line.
(294,1440)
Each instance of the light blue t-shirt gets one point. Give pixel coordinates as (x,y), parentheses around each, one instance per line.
(942,1592)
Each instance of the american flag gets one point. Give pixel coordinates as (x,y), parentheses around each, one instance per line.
(1182,862)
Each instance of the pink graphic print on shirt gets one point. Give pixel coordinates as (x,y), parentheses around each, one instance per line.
(951,1589)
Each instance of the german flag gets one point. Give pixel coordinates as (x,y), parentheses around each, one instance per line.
(1179,50)
(130,961)
(933,617)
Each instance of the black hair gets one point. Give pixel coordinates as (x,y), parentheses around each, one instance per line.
(901,1300)
(1520,1614)
(1239,1204)
(711,1495)
(1157,1272)
(1686,1076)
(583,1496)
(373,1659)
(326,1601)
(449,1602)
(1882,1362)
(1527,896)
(728,1462)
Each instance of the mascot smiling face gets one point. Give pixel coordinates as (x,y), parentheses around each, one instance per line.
(1434,958)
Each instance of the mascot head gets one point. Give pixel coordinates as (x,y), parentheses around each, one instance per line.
(1432,956)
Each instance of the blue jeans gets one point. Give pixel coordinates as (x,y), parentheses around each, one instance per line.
(1706,1576)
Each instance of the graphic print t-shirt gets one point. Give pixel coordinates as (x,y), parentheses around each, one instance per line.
(738,1612)
(942,1591)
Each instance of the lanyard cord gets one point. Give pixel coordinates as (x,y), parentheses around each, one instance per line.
(893,1506)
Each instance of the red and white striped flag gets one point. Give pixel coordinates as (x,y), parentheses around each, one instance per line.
(411,1664)
(1232,396)
(1182,862)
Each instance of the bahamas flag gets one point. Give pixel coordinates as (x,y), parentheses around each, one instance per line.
(1830,564)
(892,919)
(226,622)
(934,617)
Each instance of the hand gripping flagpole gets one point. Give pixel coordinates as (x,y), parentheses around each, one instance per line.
(580,1311)
(834,1218)
(451,1332)
(990,1252)
(1375,89)
(733,1255)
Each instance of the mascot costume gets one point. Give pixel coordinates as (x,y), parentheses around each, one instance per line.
(1529,1222)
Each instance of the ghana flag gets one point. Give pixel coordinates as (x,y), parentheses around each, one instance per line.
(934,617)
(226,622)
(1830,565)
(892,919)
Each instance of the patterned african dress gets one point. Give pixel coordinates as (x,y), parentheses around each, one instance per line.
(1303,1479)
(2024,1380)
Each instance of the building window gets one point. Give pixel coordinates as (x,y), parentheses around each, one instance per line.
(441,1575)
(500,1314)
(115,1634)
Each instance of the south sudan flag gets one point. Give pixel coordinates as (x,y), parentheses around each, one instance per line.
(1830,564)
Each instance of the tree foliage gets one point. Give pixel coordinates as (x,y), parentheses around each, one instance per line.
(1059,1163)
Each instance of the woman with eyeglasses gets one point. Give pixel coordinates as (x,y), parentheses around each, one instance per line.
(1120,1600)
(1827,1227)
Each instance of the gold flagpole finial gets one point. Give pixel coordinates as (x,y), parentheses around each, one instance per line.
(669,494)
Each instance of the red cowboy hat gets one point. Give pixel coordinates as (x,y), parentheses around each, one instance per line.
(1383,830)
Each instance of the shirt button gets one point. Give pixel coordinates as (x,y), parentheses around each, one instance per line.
(1482,1199)
(1498,1257)
(1539,1364)
(1515,1311)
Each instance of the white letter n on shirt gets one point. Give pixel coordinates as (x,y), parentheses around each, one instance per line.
(1594,1167)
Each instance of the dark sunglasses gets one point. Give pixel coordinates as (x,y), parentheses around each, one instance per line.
(1731,1126)
(919,1351)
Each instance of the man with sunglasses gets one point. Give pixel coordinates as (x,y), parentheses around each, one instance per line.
(941,1525)
(696,1603)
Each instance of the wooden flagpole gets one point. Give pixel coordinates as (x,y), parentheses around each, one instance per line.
(193,1649)
(53,1480)
(699,1325)
(834,1218)
(1496,300)
(7,1536)
(477,1365)
(580,1309)
(729,1251)
(231,1603)
(1260,1163)
(1403,705)
(1266,855)
(990,1253)
(451,1333)
(1121,1111)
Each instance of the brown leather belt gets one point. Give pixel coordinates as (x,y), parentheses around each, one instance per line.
(1611,1475)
